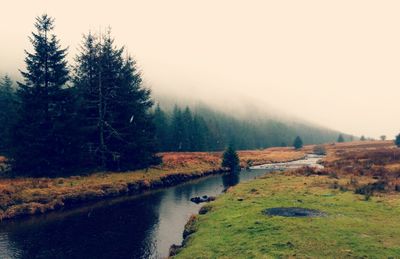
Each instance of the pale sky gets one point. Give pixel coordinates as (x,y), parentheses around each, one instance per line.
(335,63)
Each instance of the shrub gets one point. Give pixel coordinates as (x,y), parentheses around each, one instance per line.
(397,140)
(340,138)
(369,189)
(230,159)
(319,150)
(298,143)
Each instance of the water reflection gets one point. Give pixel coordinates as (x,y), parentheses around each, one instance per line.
(114,231)
(130,227)
(231,179)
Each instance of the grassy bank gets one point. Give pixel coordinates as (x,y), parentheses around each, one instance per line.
(357,190)
(27,196)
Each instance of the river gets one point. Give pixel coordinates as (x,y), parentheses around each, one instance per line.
(142,226)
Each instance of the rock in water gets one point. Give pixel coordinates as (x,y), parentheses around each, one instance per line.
(204,198)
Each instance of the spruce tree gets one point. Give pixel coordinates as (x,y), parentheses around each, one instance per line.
(340,138)
(298,143)
(133,130)
(43,143)
(162,128)
(187,135)
(117,126)
(177,130)
(87,83)
(200,134)
(8,106)
(230,159)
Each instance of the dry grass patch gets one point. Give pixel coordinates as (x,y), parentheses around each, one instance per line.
(43,194)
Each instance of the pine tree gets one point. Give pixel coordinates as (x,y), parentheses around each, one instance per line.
(43,143)
(298,143)
(177,130)
(133,129)
(8,106)
(117,125)
(87,83)
(162,129)
(187,134)
(200,134)
(340,138)
(230,159)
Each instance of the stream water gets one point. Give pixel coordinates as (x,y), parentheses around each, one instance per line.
(142,226)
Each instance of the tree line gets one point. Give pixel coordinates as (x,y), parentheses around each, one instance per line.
(94,114)
(200,128)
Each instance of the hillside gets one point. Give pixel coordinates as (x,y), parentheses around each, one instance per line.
(201,127)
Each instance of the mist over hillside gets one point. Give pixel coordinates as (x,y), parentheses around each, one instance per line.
(245,124)
(248,123)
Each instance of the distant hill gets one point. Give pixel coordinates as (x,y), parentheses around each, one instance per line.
(201,127)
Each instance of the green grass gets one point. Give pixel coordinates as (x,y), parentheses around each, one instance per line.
(353,228)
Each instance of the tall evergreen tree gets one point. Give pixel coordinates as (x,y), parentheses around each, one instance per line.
(340,138)
(133,126)
(200,134)
(177,130)
(117,127)
(8,105)
(187,134)
(42,139)
(87,82)
(162,129)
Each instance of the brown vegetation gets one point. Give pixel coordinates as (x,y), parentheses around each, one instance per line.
(28,196)
(366,168)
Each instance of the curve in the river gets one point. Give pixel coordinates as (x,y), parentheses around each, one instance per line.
(142,226)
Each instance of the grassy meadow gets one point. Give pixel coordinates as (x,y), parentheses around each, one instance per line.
(359,190)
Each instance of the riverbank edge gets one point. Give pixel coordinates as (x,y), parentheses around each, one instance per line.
(42,199)
(190,226)
(129,188)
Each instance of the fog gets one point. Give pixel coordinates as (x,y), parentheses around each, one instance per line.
(334,63)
